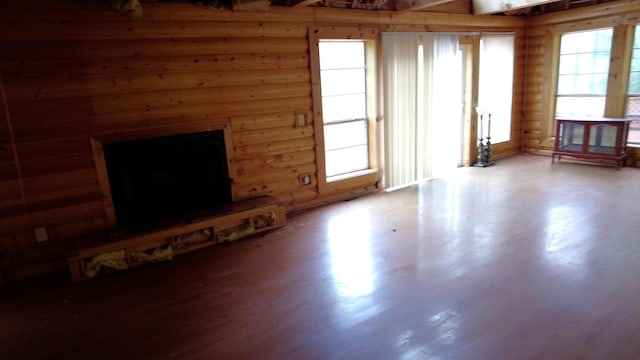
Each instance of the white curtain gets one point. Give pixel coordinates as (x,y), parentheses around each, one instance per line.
(422,105)
(400,63)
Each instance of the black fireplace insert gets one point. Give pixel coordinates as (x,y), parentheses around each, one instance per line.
(167,178)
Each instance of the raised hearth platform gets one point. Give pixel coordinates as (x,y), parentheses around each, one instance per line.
(125,249)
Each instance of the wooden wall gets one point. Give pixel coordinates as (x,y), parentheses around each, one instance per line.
(540,83)
(76,72)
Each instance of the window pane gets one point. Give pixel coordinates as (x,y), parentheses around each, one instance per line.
(346,147)
(345,135)
(596,84)
(586,41)
(344,161)
(343,81)
(634,132)
(635,60)
(633,99)
(566,84)
(569,43)
(580,105)
(568,64)
(581,81)
(634,83)
(344,107)
(341,54)
(634,76)
(603,40)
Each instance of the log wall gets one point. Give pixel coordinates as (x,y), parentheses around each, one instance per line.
(540,83)
(73,73)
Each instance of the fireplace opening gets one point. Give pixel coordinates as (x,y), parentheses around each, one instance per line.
(167,178)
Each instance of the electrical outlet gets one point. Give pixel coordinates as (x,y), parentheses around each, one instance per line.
(305,179)
(301,120)
(41,234)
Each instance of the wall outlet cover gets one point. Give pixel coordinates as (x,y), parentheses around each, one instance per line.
(305,179)
(41,234)
(301,120)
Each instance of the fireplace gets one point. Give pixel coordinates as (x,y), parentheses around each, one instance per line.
(169,178)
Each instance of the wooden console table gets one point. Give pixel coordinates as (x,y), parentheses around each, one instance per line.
(592,138)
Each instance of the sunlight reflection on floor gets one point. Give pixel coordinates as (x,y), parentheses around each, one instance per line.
(349,244)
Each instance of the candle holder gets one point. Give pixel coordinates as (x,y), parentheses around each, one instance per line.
(484,148)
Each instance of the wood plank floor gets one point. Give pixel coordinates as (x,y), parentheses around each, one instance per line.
(522,260)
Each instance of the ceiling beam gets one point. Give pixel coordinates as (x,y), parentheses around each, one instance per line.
(481,7)
(411,5)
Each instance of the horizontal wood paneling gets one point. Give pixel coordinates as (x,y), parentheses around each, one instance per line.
(275,188)
(110,108)
(40,30)
(256,151)
(244,123)
(74,72)
(159,117)
(11,200)
(36,89)
(101,108)
(267,136)
(101,51)
(7,162)
(257,178)
(275,162)
(70,69)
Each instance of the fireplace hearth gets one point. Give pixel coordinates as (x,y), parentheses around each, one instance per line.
(166,196)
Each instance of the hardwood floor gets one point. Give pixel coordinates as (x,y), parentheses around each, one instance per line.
(522,260)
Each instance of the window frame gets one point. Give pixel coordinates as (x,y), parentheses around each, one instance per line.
(576,94)
(363,178)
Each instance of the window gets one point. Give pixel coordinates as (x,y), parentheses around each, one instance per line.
(583,72)
(343,73)
(496,83)
(343,65)
(633,92)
